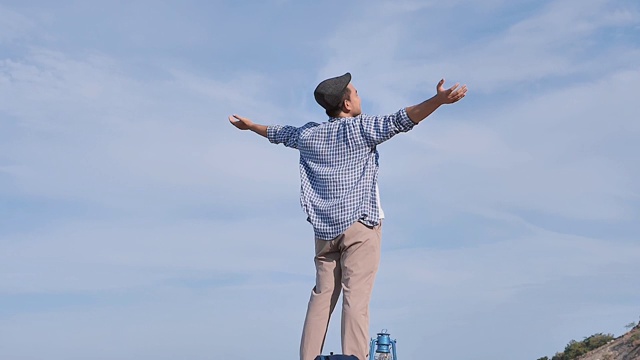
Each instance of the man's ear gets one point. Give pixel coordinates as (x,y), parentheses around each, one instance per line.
(346,106)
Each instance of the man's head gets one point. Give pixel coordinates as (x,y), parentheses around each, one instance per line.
(338,97)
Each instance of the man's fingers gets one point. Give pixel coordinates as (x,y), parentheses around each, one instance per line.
(462,92)
(241,118)
(240,122)
(237,118)
(235,121)
(454,87)
(457,93)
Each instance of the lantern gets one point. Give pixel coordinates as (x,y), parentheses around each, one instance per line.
(385,348)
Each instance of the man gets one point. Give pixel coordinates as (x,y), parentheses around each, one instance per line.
(339,193)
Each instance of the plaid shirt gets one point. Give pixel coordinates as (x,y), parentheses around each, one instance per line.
(339,167)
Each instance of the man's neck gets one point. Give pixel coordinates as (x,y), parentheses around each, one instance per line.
(346,115)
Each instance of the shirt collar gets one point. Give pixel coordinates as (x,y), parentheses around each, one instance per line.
(332,119)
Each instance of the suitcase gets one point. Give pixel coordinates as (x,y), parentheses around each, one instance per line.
(336,357)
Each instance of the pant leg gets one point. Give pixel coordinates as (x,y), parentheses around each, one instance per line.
(360,260)
(324,297)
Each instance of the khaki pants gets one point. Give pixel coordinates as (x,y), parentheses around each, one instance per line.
(348,263)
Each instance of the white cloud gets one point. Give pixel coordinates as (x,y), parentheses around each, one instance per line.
(555,153)
(13,25)
(157,324)
(120,254)
(464,292)
(107,136)
(394,57)
(557,42)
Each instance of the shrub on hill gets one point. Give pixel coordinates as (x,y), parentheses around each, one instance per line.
(575,349)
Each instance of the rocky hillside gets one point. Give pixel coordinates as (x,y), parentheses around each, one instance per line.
(625,347)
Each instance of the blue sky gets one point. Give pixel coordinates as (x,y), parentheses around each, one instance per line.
(136,223)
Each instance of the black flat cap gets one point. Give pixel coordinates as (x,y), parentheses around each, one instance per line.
(329,92)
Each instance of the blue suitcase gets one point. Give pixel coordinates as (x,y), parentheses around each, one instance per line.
(336,357)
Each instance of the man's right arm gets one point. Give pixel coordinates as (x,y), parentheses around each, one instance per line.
(243,123)
(277,134)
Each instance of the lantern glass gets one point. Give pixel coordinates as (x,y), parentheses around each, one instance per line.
(383,356)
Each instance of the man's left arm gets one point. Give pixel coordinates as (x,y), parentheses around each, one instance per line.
(377,129)
(443,96)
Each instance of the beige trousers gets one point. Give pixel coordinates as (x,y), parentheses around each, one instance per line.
(348,263)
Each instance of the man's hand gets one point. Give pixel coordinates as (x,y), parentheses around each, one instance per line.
(419,112)
(243,123)
(451,95)
(240,122)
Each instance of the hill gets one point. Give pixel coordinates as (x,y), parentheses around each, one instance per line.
(625,347)
(603,347)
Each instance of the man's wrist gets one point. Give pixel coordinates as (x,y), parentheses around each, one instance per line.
(259,129)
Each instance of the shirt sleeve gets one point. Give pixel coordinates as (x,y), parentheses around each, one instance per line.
(378,129)
(287,135)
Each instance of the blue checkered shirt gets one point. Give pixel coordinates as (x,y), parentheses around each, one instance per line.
(339,167)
